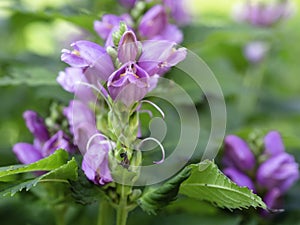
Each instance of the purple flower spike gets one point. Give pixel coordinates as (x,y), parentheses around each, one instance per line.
(170,33)
(36,126)
(128,48)
(87,54)
(27,153)
(127,3)
(279,171)
(153,22)
(273,143)
(57,141)
(128,84)
(95,163)
(239,153)
(159,56)
(239,178)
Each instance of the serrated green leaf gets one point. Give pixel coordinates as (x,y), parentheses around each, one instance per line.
(208,183)
(53,161)
(156,198)
(63,173)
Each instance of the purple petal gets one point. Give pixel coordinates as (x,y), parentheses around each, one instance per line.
(273,143)
(27,153)
(279,171)
(255,51)
(95,164)
(128,47)
(36,125)
(170,33)
(238,151)
(239,178)
(153,22)
(272,198)
(179,11)
(57,141)
(160,55)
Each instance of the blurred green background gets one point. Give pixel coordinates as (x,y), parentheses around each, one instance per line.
(264,96)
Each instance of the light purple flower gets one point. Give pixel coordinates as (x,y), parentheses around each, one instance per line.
(279,171)
(105,26)
(159,56)
(128,84)
(91,57)
(239,178)
(179,10)
(255,51)
(128,3)
(36,125)
(273,143)
(238,154)
(153,22)
(82,123)
(128,48)
(95,162)
(72,80)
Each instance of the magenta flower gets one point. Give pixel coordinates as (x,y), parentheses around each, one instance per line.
(90,57)
(43,144)
(239,178)
(238,154)
(273,143)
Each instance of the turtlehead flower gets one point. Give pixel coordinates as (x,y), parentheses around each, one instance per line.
(43,144)
(261,13)
(154,25)
(142,65)
(271,177)
(91,57)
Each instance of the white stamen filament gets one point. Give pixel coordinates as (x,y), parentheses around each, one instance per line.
(159,144)
(147,111)
(155,106)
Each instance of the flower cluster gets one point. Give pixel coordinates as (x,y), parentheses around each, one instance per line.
(123,71)
(44,144)
(269,174)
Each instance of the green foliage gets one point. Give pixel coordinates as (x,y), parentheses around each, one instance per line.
(208,183)
(61,170)
(154,199)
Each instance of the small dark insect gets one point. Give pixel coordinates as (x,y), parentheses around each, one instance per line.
(125,161)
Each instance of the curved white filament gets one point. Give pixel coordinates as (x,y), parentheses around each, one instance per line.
(155,106)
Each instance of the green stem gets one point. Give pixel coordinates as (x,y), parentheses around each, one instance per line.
(122,212)
(105,216)
(59,214)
